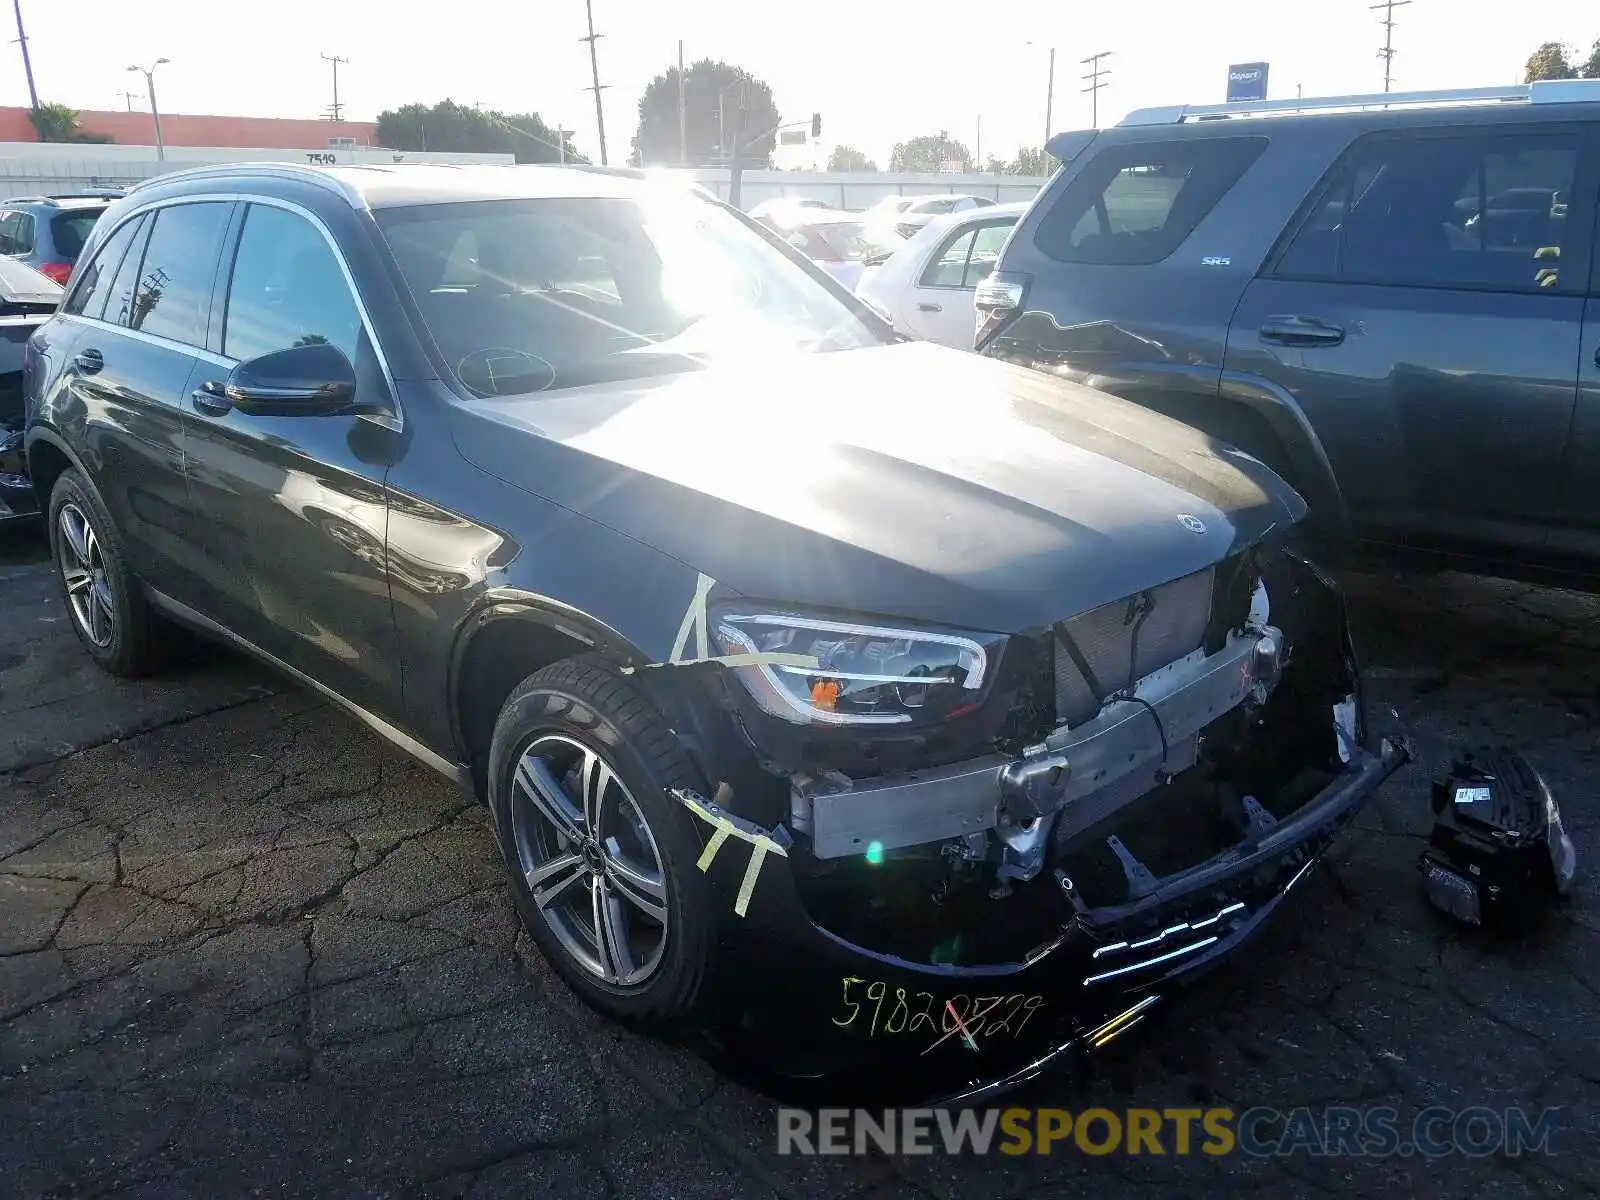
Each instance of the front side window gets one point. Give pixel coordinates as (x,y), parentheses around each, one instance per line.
(94,283)
(1487,211)
(524,295)
(172,298)
(119,304)
(287,289)
(1134,205)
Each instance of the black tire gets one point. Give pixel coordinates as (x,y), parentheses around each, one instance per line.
(579,699)
(139,642)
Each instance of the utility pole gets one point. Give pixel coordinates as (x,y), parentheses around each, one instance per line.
(1387,53)
(1095,78)
(978,153)
(596,87)
(27,63)
(336,112)
(130,97)
(683,113)
(561,143)
(1050,96)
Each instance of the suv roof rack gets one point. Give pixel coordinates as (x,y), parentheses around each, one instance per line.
(319,176)
(1546,91)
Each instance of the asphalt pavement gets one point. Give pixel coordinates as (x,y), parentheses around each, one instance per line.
(248,948)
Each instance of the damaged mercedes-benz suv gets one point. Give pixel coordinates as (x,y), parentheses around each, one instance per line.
(846,701)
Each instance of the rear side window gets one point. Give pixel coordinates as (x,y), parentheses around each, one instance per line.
(16,232)
(94,283)
(70,230)
(1133,205)
(1486,210)
(173,295)
(967,257)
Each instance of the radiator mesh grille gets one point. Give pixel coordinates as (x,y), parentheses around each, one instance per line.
(1170,621)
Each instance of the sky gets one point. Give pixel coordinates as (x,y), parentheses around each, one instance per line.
(879,71)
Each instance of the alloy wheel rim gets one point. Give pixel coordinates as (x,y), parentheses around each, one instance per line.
(590,860)
(83,572)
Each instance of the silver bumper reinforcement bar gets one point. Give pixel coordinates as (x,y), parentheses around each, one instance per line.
(1071,766)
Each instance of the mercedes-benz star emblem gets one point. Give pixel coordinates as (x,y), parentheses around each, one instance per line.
(1192,523)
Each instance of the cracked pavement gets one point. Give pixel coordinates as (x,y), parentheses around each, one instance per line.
(248,948)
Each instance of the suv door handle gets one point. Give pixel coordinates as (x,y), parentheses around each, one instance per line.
(210,400)
(1301,331)
(924,306)
(90,361)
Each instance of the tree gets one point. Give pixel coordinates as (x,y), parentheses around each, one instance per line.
(929,153)
(1031,161)
(1549,61)
(848,158)
(59,123)
(721,104)
(451,127)
(1590,68)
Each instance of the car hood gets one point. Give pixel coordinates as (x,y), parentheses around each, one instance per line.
(907,480)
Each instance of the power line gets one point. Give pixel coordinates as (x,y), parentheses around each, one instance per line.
(1096,78)
(1387,53)
(336,110)
(596,87)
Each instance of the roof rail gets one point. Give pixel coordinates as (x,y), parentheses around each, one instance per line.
(1548,91)
(317,176)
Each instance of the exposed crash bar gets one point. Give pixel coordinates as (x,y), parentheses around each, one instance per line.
(1173,704)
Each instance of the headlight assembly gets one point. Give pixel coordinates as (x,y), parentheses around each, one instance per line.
(863,674)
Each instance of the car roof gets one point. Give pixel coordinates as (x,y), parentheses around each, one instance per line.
(58,202)
(407,184)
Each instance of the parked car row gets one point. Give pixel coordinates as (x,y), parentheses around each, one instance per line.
(872,710)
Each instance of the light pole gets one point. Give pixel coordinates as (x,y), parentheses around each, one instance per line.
(155,111)
(1049,93)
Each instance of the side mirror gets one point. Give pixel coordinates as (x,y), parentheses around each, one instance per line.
(311,380)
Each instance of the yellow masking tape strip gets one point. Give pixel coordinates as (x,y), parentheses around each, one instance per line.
(760,846)
(715,844)
(758,855)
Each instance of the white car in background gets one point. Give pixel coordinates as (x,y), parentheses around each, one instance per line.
(923,209)
(838,242)
(925,286)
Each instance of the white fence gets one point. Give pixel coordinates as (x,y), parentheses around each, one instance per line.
(859,191)
(32,167)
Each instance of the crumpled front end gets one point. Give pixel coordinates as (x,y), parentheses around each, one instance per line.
(1169,768)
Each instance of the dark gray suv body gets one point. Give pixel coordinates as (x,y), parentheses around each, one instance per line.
(1396,309)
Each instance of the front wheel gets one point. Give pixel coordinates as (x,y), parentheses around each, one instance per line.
(601,858)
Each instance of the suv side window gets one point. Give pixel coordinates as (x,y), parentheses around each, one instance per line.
(10,226)
(94,281)
(1485,210)
(21,235)
(120,297)
(1133,205)
(287,289)
(173,296)
(967,256)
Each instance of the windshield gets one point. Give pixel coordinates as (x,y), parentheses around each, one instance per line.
(527,295)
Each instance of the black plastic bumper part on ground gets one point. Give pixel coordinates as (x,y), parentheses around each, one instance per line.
(833,1022)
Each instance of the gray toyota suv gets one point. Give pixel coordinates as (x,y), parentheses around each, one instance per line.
(1394,307)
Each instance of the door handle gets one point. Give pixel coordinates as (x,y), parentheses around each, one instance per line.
(1301,331)
(90,361)
(210,399)
(924,306)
